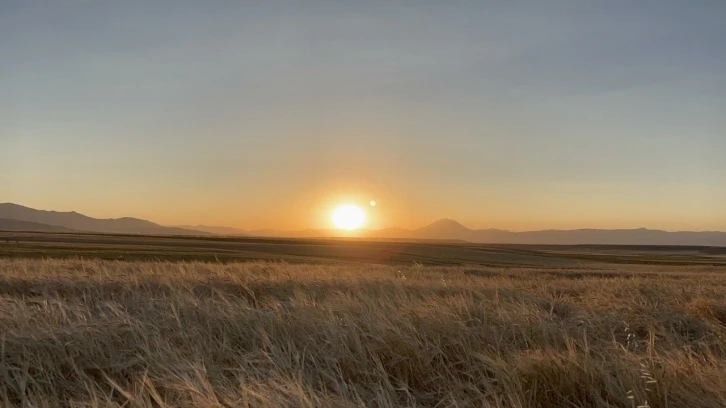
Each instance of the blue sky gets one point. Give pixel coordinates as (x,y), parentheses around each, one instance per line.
(558,114)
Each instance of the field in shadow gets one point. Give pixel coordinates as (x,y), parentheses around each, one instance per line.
(328,251)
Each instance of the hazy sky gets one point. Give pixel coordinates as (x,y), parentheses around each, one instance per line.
(256,114)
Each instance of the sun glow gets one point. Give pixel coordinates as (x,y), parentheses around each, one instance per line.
(348,217)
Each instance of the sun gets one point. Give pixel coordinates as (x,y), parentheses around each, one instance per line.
(348,217)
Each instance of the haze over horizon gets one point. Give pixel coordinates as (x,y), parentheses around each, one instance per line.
(520,117)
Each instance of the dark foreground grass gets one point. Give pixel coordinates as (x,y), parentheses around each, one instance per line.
(112,334)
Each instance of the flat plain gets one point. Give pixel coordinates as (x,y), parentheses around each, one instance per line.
(392,252)
(129,321)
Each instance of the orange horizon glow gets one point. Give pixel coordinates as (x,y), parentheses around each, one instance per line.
(314,210)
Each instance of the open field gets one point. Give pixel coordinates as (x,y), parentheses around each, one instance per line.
(87,333)
(326,251)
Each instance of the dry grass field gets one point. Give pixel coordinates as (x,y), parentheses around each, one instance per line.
(81,333)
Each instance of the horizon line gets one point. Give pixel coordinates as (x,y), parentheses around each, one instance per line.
(449,219)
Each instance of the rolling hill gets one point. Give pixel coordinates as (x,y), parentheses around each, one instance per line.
(79,222)
(7,224)
(449,229)
(216,230)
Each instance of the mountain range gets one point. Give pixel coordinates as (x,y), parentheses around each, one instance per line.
(19,218)
(7,224)
(51,220)
(450,229)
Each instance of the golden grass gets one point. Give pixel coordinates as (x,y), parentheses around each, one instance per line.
(112,334)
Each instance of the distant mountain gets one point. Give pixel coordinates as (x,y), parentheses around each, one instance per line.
(447,229)
(217,230)
(7,224)
(80,222)
(640,236)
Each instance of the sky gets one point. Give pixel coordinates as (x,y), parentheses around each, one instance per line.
(268,114)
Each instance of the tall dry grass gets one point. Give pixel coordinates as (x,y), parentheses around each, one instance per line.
(112,334)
